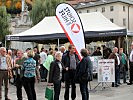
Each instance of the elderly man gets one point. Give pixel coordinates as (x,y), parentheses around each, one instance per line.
(19,74)
(5,66)
(63,49)
(114,55)
(131,66)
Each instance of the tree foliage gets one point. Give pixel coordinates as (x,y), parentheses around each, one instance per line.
(42,8)
(4,23)
(13,6)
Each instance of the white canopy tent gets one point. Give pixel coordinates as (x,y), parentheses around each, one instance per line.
(94,24)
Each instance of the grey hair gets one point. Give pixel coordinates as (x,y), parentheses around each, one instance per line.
(58,53)
(115,48)
(2,48)
(62,47)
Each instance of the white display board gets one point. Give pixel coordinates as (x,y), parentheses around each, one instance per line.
(106,70)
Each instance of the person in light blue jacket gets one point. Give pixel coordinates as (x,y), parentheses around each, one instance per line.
(30,75)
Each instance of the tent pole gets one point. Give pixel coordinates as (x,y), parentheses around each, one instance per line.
(119,42)
(5,42)
(127,43)
(58,44)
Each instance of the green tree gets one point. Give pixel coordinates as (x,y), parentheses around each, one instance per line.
(4,23)
(42,8)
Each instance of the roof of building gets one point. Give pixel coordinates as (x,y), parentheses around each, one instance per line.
(75,2)
(101,2)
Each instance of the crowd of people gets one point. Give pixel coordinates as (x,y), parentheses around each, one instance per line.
(55,67)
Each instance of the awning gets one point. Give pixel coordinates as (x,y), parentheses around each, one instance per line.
(94,24)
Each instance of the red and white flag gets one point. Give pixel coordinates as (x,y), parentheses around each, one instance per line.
(71,24)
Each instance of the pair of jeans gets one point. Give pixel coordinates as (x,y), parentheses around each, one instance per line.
(73,91)
(19,84)
(57,89)
(124,72)
(116,75)
(4,77)
(84,91)
(29,86)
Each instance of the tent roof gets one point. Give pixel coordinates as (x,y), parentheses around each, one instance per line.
(94,24)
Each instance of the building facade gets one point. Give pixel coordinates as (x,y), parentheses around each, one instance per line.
(119,12)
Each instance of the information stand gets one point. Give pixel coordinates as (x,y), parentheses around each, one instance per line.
(106,72)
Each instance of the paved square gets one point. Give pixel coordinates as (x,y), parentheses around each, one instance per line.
(124,92)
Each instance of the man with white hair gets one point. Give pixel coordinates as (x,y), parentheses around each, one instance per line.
(114,55)
(5,67)
(63,49)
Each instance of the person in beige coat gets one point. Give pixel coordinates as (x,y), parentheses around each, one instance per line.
(5,71)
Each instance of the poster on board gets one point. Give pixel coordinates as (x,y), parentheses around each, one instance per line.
(106,70)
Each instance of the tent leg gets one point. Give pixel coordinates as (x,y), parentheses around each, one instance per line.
(58,44)
(127,43)
(5,42)
(119,42)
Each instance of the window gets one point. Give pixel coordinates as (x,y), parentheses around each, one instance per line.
(112,20)
(124,21)
(111,8)
(88,11)
(124,9)
(103,9)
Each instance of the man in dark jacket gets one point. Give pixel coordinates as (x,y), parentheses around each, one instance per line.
(106,52)
(70,61)
(97,52)
(84,73)
(114,55)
